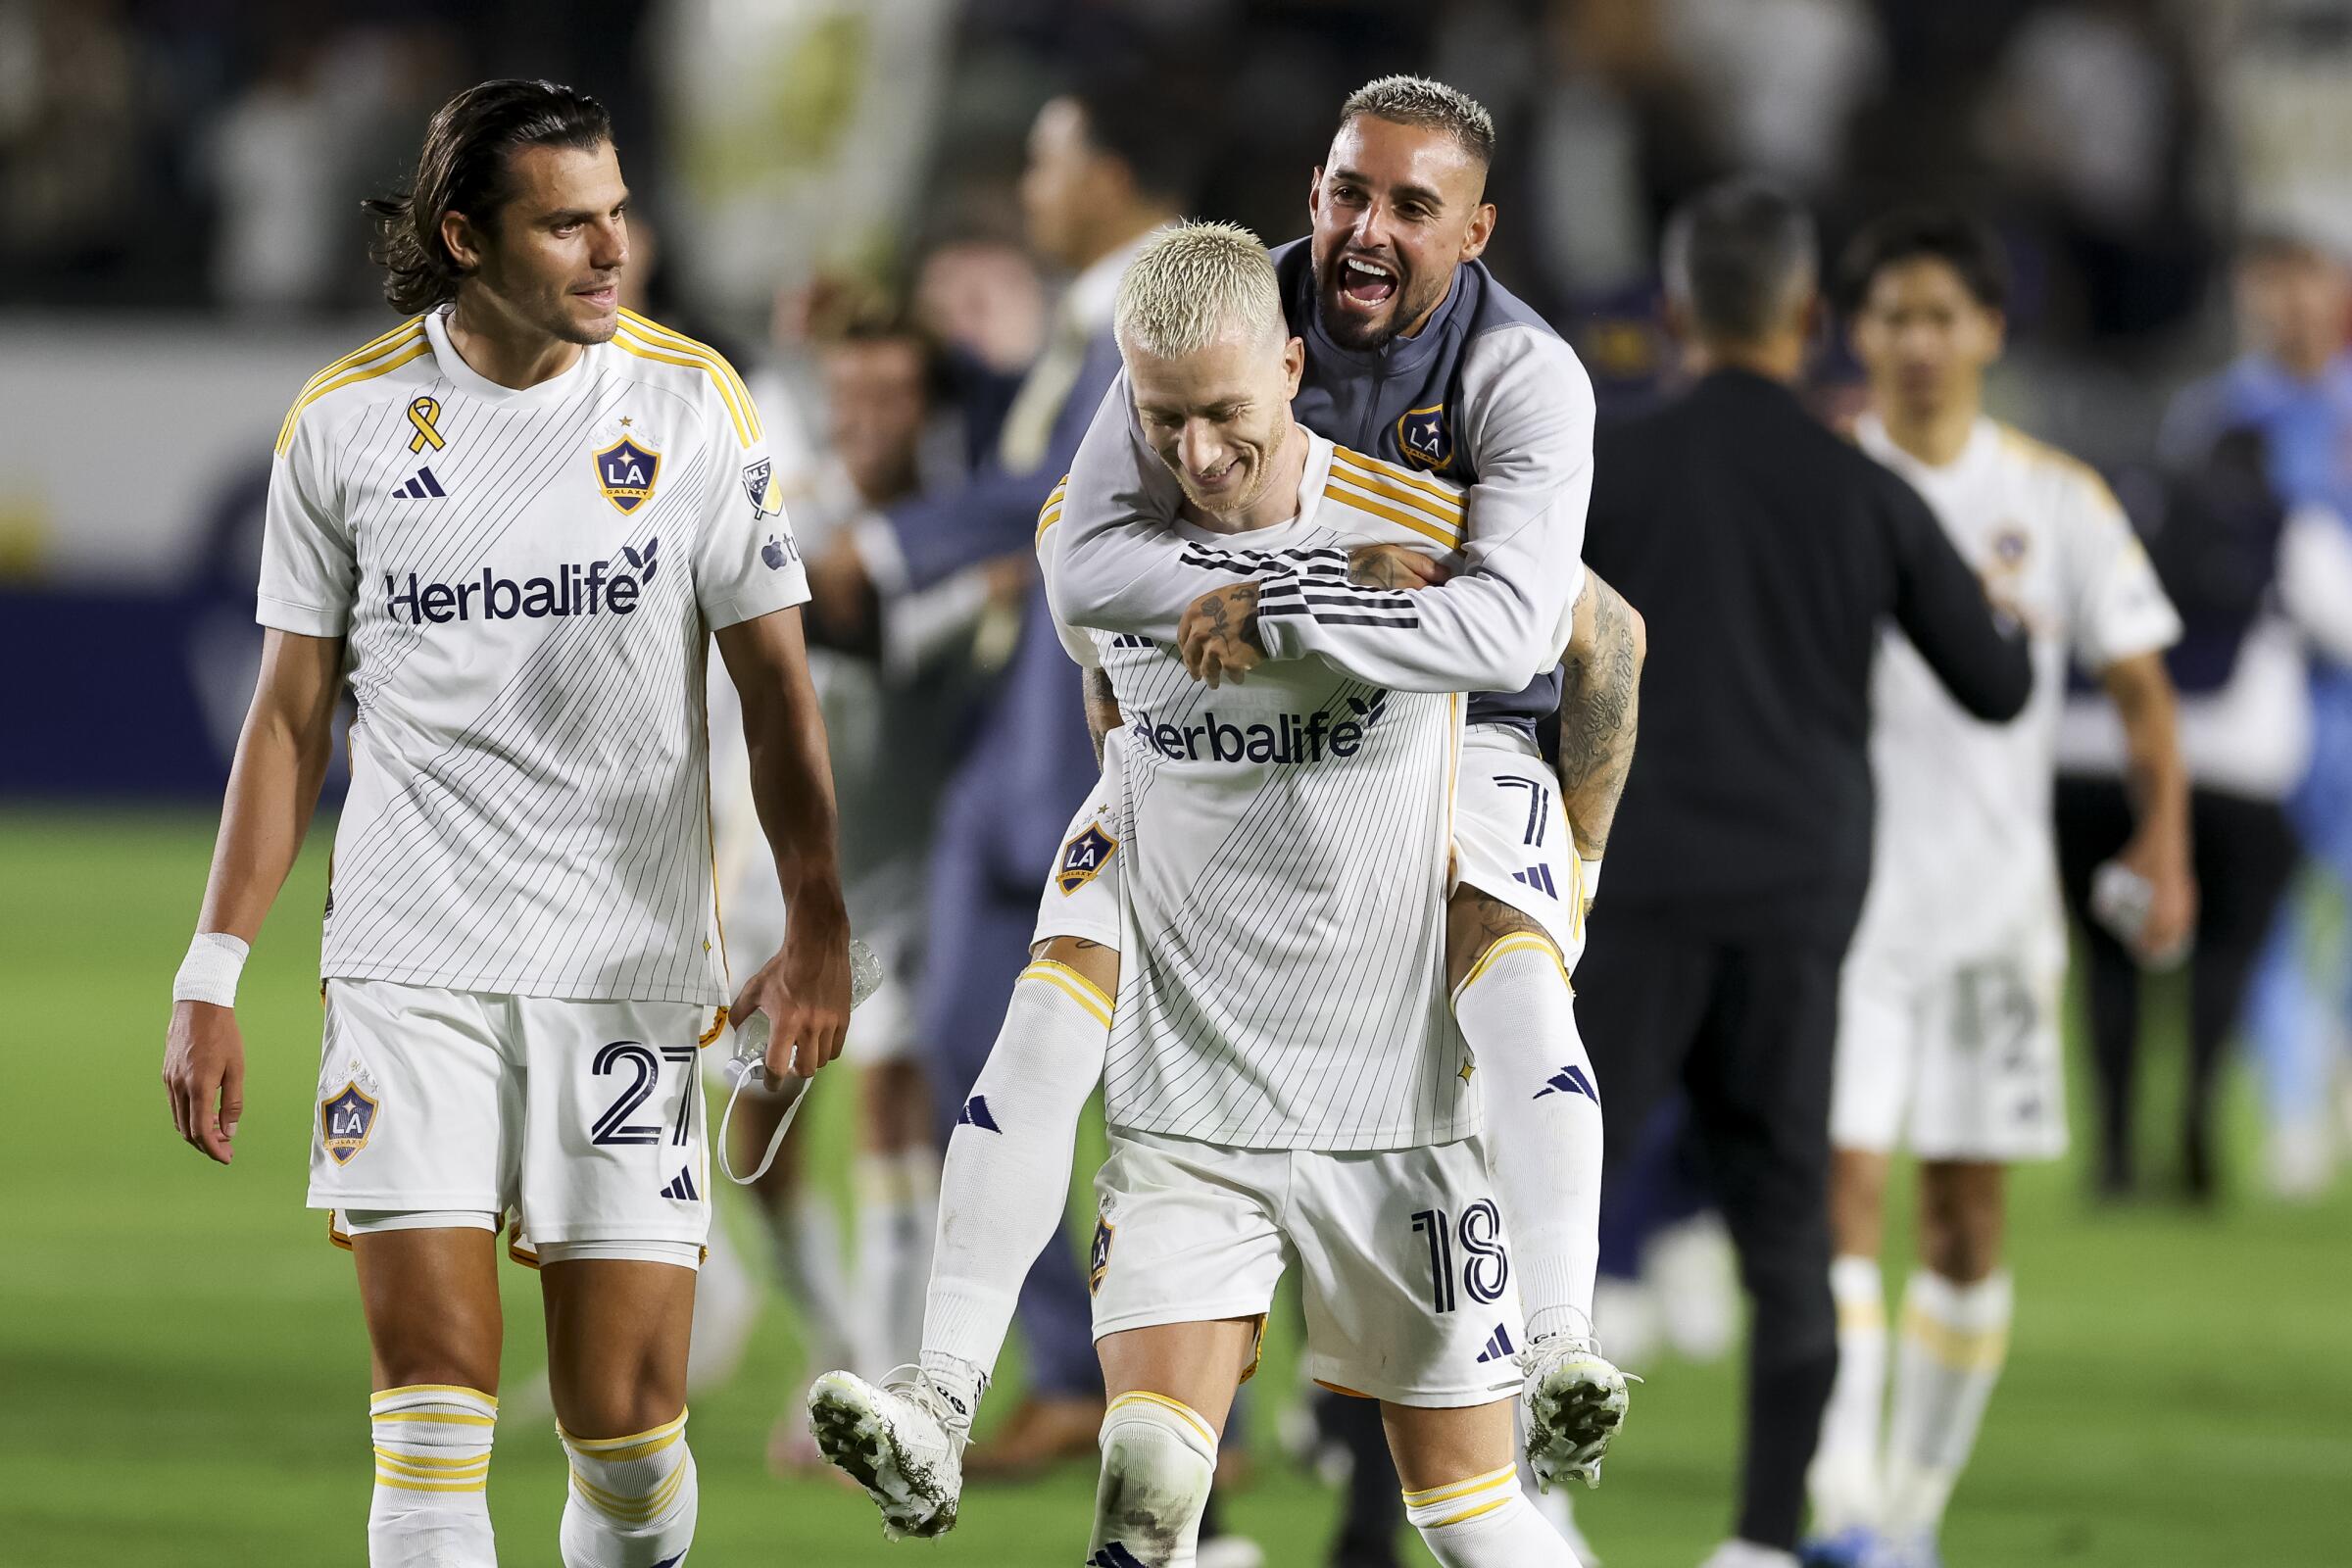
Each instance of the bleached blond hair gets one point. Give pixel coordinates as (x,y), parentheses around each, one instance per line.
(1194,283)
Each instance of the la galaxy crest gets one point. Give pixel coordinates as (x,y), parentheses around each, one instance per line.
(346,1120)
(1083,859)
(625,472)
(1425,438)
(1097,1255)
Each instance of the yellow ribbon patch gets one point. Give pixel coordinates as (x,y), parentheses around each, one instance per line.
(423,414)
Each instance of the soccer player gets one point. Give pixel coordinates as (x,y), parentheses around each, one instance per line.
(1948,1027)
(512,525)
(1284,1077)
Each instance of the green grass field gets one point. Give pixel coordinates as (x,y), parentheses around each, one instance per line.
(185,1376)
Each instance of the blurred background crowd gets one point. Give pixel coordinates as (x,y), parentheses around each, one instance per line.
(895,216)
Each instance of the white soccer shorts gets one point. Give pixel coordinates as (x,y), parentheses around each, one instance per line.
(1955,1062)
(1082,890)
(584,1118)
(1405,1270)
(1511,838)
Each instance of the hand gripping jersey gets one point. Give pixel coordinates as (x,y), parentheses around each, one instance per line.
(1965,867)
(1484,396)
(1285,847)
(527,581)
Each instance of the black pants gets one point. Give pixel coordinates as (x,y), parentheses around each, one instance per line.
(2244,853)
(1747,1031)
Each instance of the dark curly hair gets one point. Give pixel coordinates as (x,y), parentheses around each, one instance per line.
(466,167)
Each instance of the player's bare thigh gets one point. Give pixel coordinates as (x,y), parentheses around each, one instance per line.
(1199,1365)
(617,1335)
(1438,1447)
(1094,962)
(430,1297)
(1474,922)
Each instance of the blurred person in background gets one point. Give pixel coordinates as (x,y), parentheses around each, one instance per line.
(2242,520)
(1949,1034)
(896,681)
(1766,554)
(2294,383)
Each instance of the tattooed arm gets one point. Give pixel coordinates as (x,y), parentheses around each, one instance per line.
(1102,713)
(1601,706)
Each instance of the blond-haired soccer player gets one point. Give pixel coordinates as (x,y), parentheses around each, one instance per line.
(1948,1028)
(1285,1080)
(510,525)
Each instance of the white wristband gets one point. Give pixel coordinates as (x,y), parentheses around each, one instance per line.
(209,973)
(1589,874)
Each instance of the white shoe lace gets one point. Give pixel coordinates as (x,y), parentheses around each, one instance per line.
(910,1382)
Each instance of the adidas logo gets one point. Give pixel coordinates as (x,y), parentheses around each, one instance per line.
(1539,877)
(681,1185)
(1128,639)
(1499,1346)
(975,1114)
(423,486)
(1114,1555)
(1569,1079)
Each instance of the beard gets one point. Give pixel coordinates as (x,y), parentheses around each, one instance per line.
(1406,305)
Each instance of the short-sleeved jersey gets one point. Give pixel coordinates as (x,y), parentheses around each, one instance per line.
(1284,843)
(1964,865)
(527,581)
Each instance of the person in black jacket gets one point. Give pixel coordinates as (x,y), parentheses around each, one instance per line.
(1766,554)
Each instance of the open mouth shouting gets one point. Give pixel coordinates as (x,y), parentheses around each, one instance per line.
(1366,283)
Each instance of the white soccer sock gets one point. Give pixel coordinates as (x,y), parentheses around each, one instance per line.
(898,1210)
(1954,1339)
(1486,1522)
(1006,1182)
(1518,1014)
(1159,1459)
(1844,1476)
(431,1507)
(806,1234)
(633,1499)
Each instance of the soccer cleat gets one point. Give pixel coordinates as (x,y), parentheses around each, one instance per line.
(1571,1403)
(1904,1552)
(1851,1547)
(901,1441)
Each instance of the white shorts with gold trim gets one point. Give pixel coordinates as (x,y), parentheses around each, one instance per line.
(1404,1271)
(585,1119)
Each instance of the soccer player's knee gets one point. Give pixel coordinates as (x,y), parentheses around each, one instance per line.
(1486,935)
(633,1499)
(1159,1459)
(1486,1522)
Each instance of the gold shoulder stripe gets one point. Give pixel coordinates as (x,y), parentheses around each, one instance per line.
(1413,520)
(1400,474)
(1051,513)
(653,332)
(1447,517)
(350,372)
(630,343)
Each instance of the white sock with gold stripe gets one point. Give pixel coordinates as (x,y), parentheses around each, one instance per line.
(1159,1459)
(633,1499)
(431,1507)
(1845,1475)
(1004,1187)
(1486,1522)
(1543,1104)
(1954,1339)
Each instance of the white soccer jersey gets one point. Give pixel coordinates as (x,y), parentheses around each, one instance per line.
(1285,848)
(527,581)
(1965,866)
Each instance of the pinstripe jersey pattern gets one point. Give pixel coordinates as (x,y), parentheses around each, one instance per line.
(1281,983)
(526,647)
